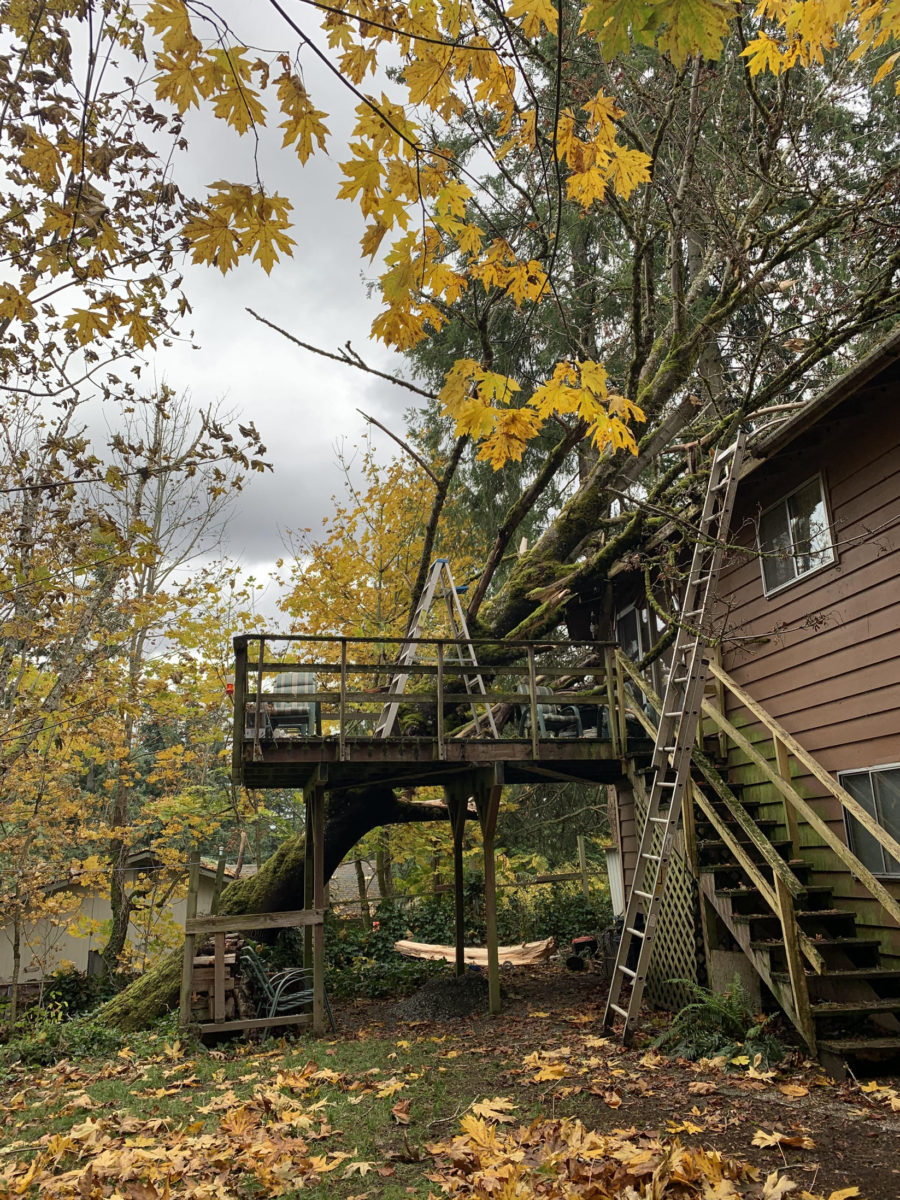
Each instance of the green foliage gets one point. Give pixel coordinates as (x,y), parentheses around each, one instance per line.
(46,1035)
(78,992)
(523,914)
(717,1023)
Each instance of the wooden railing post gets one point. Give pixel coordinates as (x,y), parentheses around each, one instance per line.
(612,715)
(532,702)
(342,716)
(187,965)
(791,934)
(790,816)
(239,701)
(621,707)
(442,749)
(258,710)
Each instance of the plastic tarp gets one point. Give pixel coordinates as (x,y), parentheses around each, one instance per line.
(523,955)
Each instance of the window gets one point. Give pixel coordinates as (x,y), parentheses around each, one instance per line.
(794,538)
(878,791)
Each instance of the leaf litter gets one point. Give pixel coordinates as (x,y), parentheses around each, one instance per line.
(576,1117)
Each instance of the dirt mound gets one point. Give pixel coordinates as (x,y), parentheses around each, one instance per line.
(446,997)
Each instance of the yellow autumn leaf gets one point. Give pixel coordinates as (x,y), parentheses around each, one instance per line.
(533,14)
(549,1072)
(497,1109)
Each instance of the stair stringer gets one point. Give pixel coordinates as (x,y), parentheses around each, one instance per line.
(759,959)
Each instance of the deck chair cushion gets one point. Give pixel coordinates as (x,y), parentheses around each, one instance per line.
(293,712)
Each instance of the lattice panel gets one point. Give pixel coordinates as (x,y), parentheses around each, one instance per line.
(675,949)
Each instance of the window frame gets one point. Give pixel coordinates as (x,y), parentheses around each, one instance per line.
(881,873)
(783,503)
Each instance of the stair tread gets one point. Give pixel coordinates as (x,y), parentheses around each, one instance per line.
(799,912)
(846,1045)
(838,1007)
(828,941)
(876,973)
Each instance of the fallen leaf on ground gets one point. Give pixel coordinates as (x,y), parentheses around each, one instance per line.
(497,1109)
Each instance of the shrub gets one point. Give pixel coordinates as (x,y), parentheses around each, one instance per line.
(717,1023)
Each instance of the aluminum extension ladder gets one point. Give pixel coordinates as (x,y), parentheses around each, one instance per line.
(675,736)
(439,576)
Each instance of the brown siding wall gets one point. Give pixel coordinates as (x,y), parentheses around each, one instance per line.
(823,654)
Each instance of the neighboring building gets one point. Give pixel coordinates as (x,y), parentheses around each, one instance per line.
(810,629)
(74,935)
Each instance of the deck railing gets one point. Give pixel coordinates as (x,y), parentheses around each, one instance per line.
(351,678)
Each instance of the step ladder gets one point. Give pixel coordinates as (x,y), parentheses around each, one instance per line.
(675,737)
(438,586)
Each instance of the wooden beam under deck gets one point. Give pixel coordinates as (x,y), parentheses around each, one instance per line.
(418,761)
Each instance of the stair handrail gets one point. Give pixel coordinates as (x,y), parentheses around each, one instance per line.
(849,803)
(803,809)
(790,884)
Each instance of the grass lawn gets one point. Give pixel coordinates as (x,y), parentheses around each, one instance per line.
(536,1102)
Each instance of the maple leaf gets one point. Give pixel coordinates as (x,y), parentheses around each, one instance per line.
(776,1138)
(533,14)
(775,1187)
(303,123)
(400,1112)
(497,1109)
(765,53)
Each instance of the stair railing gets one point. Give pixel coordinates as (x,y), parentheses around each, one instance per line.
(797,807)
(778,895)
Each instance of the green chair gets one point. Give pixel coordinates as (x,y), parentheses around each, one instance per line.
(283,993)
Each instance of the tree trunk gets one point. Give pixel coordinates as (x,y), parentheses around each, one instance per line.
(276,888)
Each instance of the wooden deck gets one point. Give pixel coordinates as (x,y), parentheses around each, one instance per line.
(414,762)
(348,684)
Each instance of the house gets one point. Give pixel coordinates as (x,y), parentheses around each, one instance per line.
(74,934)
(803,722)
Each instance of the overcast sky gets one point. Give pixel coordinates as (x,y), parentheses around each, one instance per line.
(302,405)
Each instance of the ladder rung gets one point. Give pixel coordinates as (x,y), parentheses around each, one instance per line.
(628,971)
(621,1011)
(659,820)
(666,783)
(652,857)
(635,932)
(643,895)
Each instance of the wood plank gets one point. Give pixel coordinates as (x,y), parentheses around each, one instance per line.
(207,960)
(219,978)
(255,1023)
(249,921)
(203,979)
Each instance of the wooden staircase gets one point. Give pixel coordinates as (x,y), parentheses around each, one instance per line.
(826,975)
(854,1001)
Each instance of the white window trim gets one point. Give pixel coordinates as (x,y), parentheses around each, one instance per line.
(841,776)
(767,591)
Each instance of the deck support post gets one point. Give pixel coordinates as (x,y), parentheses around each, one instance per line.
(187,965)
(456,797)
(317,806)
(488,790)
(308,881)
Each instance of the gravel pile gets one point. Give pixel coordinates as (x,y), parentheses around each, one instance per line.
(446,997)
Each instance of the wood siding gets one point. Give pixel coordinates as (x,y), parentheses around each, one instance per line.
(822,655)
